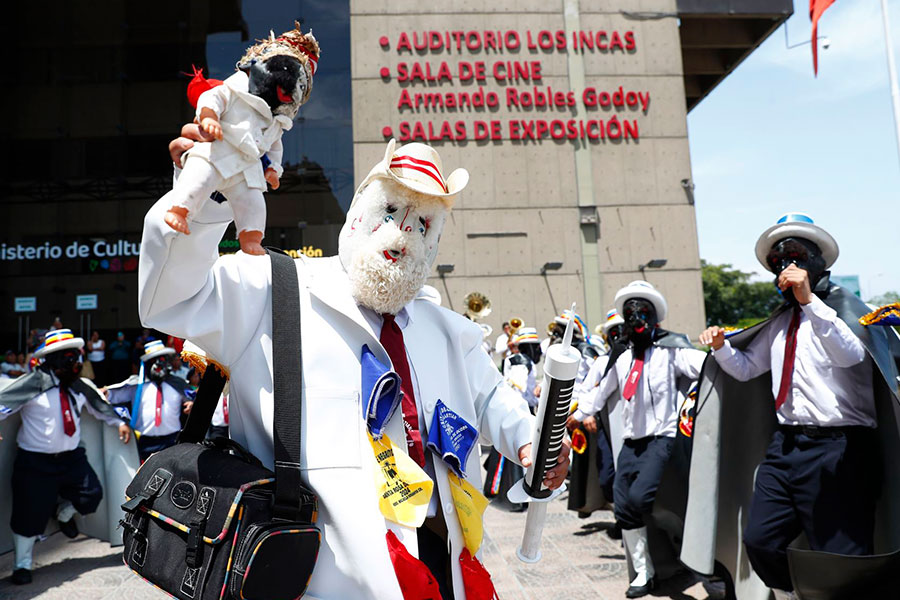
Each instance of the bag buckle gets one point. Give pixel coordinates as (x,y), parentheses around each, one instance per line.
(194,552)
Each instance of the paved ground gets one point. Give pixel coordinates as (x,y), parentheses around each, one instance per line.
(580,562)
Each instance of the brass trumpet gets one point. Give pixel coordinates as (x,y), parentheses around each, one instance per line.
(551,326)
(477,305)
(514,325)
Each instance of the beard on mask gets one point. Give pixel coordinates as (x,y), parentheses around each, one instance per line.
(381,284)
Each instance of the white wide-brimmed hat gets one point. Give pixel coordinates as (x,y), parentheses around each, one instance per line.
(798,225)
(56,340)
(526,335)
(645,290)
(613,318)
(154,349)
(418,167)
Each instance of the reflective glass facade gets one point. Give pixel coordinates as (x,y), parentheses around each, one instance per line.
(100,93)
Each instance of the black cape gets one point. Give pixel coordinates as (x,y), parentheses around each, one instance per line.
(732,428)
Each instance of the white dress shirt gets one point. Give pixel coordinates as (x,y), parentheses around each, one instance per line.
(218,418)
(522,378)
(832,381)
(654,408)
(585,390)
(42,425)
(501,349)
(146,424)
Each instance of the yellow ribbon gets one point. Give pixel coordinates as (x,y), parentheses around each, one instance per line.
(404,489)
(470,505)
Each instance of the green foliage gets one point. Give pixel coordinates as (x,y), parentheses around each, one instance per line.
(885,298)
(732,300)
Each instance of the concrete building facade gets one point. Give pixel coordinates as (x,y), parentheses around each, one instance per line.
(601,188)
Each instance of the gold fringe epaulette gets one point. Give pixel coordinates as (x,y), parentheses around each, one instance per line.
(887,312)
(200,362)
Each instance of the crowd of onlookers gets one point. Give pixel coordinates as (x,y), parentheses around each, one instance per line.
(107,359)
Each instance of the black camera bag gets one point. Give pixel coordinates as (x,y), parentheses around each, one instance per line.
(205,519)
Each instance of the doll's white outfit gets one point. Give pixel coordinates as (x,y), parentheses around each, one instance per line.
(232,165)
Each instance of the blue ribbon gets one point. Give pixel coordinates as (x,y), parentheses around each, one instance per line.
(381,389)
(451,437)
(136,403)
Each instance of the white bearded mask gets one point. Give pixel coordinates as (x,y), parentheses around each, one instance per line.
(390,238)
(389,242)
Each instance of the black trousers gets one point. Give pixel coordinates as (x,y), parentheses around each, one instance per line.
(606,467)
(148,444)
(434,552)
(823,483)
(638,473)
(39,479)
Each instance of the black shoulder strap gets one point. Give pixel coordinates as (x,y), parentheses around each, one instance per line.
(615,352)
(205,402)
(287,376)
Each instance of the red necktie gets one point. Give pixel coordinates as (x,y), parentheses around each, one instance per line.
(790,351)
(225,408)
(68,419)
(392,340)
(159,399)
(634,376)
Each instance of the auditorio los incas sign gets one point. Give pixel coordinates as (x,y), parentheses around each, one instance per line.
(519,82)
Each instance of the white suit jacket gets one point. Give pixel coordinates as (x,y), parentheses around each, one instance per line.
(223,305)
(249,130)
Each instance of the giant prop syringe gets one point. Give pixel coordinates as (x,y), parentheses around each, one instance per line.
(560,369)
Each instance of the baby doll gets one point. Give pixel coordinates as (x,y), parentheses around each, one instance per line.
(246,115)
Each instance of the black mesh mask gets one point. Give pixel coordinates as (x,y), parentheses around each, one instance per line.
(158,369)
(532,351)
(798,251)
(65,364)
(640,322)
(616,335)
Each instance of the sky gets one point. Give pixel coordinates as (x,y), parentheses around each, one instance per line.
(772,138)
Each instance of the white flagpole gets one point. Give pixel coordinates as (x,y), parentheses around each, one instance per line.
(892,72)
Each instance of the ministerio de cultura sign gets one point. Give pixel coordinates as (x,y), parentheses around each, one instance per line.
(96,255)
(101,248)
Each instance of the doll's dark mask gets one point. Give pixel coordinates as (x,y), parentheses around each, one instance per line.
(65,364)
(281,81)
(158,369)
(640,322)
(800,252)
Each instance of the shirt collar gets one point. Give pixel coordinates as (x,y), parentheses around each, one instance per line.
(403,318)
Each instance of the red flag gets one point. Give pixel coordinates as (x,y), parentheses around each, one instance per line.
(816,8)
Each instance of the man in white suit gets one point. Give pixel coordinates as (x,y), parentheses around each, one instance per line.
(372,295)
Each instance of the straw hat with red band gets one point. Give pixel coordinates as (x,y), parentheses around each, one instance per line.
(56,340)
(419,168)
